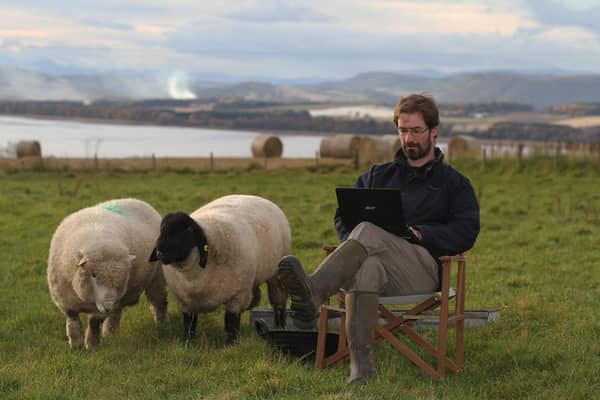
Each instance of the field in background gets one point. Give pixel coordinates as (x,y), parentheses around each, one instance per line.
(536,259)
(170,164)
(581,122)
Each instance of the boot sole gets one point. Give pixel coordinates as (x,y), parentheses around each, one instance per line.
(291,276)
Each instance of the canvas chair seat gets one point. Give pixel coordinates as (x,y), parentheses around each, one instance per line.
(391,323)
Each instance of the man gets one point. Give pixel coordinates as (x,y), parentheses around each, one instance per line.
(442,211)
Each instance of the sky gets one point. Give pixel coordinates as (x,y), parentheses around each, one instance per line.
(299,40)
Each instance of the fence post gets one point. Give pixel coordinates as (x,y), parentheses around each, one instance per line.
(153,162)
(483,159)
(520,154)
(212,162)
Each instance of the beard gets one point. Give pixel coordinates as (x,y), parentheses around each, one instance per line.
(416,151)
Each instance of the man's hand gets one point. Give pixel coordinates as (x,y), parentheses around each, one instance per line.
(416,233)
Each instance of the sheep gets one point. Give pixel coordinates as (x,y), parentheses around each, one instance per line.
(98,264)
(220,254)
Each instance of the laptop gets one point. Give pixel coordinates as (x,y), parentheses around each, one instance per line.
(380,206)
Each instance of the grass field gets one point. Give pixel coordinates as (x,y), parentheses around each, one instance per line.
(537,259)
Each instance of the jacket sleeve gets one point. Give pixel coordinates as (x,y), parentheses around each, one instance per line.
(342,230)
(459,232)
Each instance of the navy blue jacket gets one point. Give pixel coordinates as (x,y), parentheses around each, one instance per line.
(438,201)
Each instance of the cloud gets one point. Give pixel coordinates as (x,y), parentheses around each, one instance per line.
(276,12)
(272,39)
(107,24)
(466,17)
(553,13)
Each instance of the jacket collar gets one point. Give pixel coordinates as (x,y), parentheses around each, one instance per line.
(423,171)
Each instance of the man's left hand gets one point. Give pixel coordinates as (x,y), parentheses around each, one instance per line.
(416,232)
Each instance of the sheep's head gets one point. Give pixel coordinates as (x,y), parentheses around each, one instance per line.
(179,234)
(102,276)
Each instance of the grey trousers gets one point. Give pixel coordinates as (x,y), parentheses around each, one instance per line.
(394,266)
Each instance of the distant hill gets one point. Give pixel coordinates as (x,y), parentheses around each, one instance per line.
(539,90)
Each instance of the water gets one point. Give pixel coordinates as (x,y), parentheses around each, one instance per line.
(355,112)
(60,138)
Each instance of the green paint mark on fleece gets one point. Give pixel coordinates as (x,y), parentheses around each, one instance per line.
(113,208)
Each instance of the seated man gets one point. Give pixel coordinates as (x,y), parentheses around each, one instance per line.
(442,212)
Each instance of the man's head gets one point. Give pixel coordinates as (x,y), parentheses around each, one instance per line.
(416,118)
(419,104)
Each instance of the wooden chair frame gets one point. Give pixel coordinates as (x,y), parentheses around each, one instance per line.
(403,323)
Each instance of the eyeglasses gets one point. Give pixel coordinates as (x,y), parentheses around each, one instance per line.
(415,131)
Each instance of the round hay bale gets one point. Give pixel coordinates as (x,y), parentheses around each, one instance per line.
(339,146)
(387,147)
(266,146)
(29,148)
(463,146)
(367,150)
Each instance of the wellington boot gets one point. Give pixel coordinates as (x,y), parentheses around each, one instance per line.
(309,292)
(361,317)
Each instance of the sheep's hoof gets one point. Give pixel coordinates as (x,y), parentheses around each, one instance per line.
(76,344)
(109,327)
(91,345)
(92,341)
(187,340)
(231,339)
(159,315)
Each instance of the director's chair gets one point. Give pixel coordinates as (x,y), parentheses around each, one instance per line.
(391,323)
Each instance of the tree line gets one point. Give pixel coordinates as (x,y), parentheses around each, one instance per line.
(279,120)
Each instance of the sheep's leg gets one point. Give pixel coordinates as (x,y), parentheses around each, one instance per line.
(232,326)
(255,298)
(92,333)
(277,298)
(74,330)
(111,323)
(156,293)
(190,320)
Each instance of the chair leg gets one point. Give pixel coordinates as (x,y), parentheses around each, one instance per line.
(321,339)
(443,332)
(342,354)
(460,310)
(404,349)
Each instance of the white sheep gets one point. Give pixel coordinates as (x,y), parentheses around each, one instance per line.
(98,264)
(220,255)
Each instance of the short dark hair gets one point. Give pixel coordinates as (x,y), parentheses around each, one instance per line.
(418,103)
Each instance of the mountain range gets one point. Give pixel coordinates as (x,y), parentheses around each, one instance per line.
(539,90)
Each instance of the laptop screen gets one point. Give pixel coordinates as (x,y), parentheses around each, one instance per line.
(380,206)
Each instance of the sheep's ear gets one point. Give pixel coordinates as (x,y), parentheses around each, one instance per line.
(202,245)
(153,256)
(82,259)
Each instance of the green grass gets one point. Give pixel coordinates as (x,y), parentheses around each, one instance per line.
(536,259)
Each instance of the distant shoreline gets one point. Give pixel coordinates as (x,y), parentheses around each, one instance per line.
(101,121)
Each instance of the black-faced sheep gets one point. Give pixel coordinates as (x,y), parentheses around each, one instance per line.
(220,254)
(98,264)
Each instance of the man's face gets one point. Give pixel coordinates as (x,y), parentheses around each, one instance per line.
(415,137)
